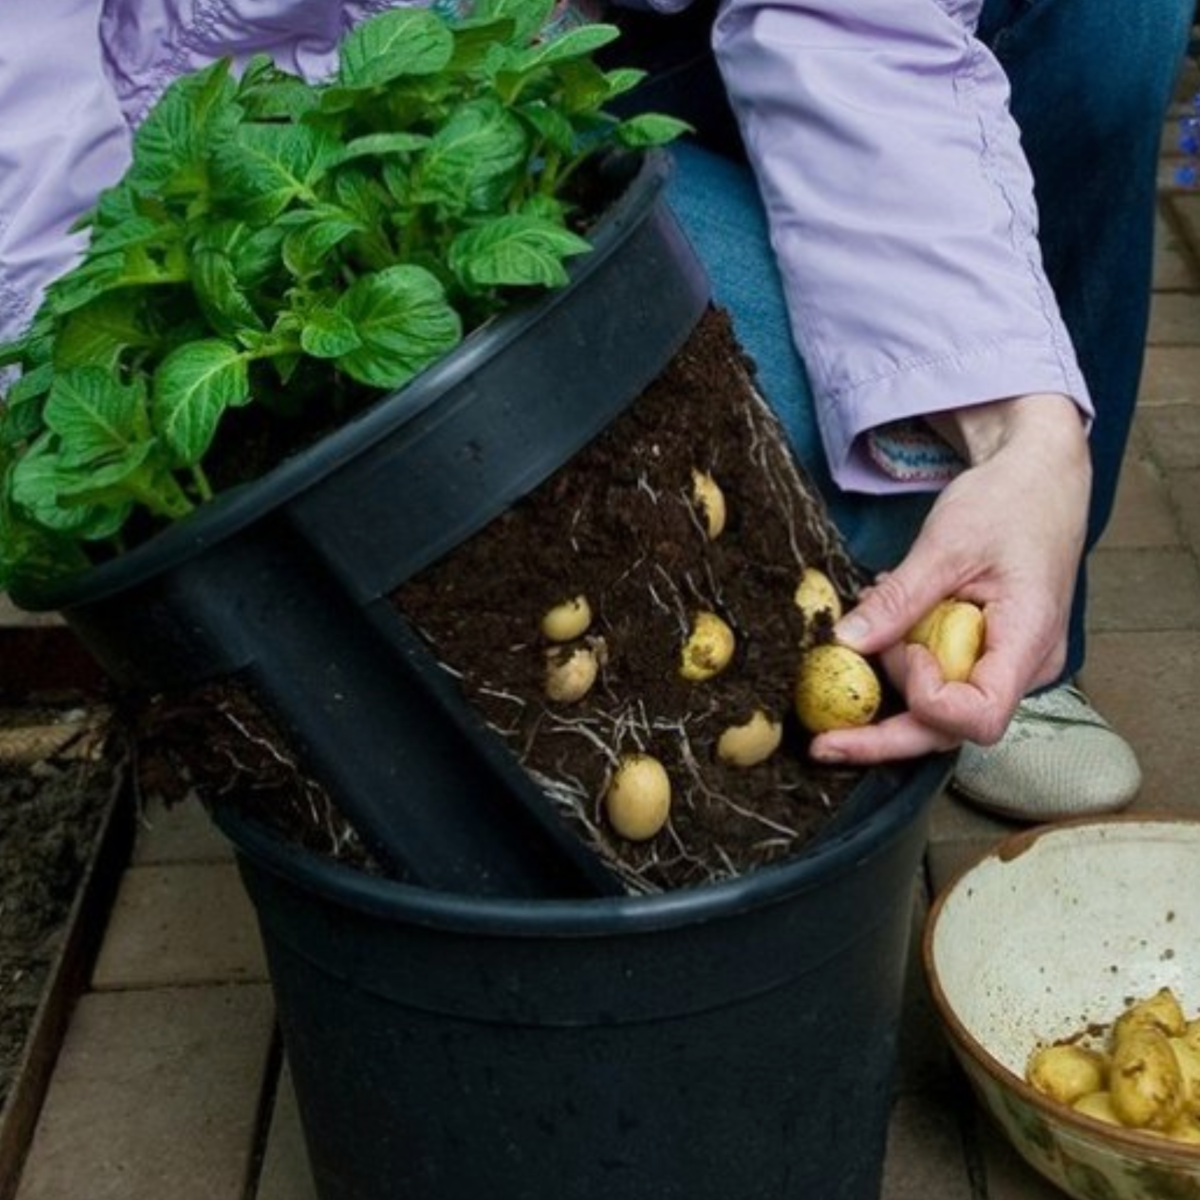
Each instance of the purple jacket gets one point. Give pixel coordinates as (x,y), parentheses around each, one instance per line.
(900,204)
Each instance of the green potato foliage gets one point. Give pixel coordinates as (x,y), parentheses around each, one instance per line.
(285,244)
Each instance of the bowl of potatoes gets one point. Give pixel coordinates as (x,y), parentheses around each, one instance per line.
(1065,968)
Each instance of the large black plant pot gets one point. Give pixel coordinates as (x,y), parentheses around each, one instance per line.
(734,1042)
(283,583)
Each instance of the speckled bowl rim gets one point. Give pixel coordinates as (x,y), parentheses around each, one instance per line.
(1132,1141)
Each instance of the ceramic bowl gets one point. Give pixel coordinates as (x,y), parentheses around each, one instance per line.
(1056,929)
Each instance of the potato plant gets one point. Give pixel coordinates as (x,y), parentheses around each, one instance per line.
(299,248)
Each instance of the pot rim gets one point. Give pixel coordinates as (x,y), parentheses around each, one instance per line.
(895,795)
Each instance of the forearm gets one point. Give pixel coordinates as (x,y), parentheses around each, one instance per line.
(901,211)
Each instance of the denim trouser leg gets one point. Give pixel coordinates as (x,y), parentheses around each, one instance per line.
(1091,81)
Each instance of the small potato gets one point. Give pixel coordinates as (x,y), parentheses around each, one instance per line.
(836,689)
(1186,1130)
(752,742)
(1162,1010)
(570,673)
(1098,1106)
(1067,1073)
(710,500)
(566,621)
(708,649)
(638,800)
(953,633)
(1191,1034)
(1188,1058)
(815,594)
(1146,1085)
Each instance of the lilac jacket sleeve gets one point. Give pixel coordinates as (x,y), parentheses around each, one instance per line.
(76,76)
(901,211)
(62,139)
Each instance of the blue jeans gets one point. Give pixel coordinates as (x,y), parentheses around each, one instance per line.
(1091,81)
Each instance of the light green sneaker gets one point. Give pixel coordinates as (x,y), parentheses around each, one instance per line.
(1058,758)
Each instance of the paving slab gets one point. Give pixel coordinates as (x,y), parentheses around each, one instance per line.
(1175,265)
(1148,685)
(1173,435)
(1155,588)
(185,923)
(178,833)
(1170,376)
(1144,514)
(926,1159)
(154,1097)
(1174,319)
(1185,488)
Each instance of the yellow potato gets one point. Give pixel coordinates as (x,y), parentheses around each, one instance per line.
(752,742)
(1188,1058)
(1098,1106)
(1162,1010)
(1067,1073)
(570,673)
(566,621)
(836,689)
(710,500)
(1146,1085)
(815,594)
(708,649)
(1186,1130)
(638,800)
(953,632)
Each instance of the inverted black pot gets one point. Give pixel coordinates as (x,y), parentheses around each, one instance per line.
(283,583)
(733,1042)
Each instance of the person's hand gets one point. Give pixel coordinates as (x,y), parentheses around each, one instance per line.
(1007,534)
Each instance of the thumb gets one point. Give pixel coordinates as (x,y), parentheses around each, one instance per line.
(889,608)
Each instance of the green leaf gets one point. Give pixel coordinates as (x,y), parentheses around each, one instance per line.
(263,168)
(100,331)
(90,279)
(96,417)
(29,553)
(192,388)
(306,249)
(405,41)
(528,16)
(550,125)
(267,92)
(574,43)
(196,111)
(381,145)
(650,129)
(21,411)
(405,323)
(38,482)
(220,295)
(471,162)
(329,333)
(514,251)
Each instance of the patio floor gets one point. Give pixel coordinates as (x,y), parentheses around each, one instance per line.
(171,1082)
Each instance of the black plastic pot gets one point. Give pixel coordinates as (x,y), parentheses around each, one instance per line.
(283,583)
(735,1042)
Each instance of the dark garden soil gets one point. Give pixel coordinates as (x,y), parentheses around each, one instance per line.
(57,782)
(620,525)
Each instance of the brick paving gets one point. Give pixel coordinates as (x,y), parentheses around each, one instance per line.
(170,1082)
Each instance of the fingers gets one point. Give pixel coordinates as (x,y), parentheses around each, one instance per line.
(890,740)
